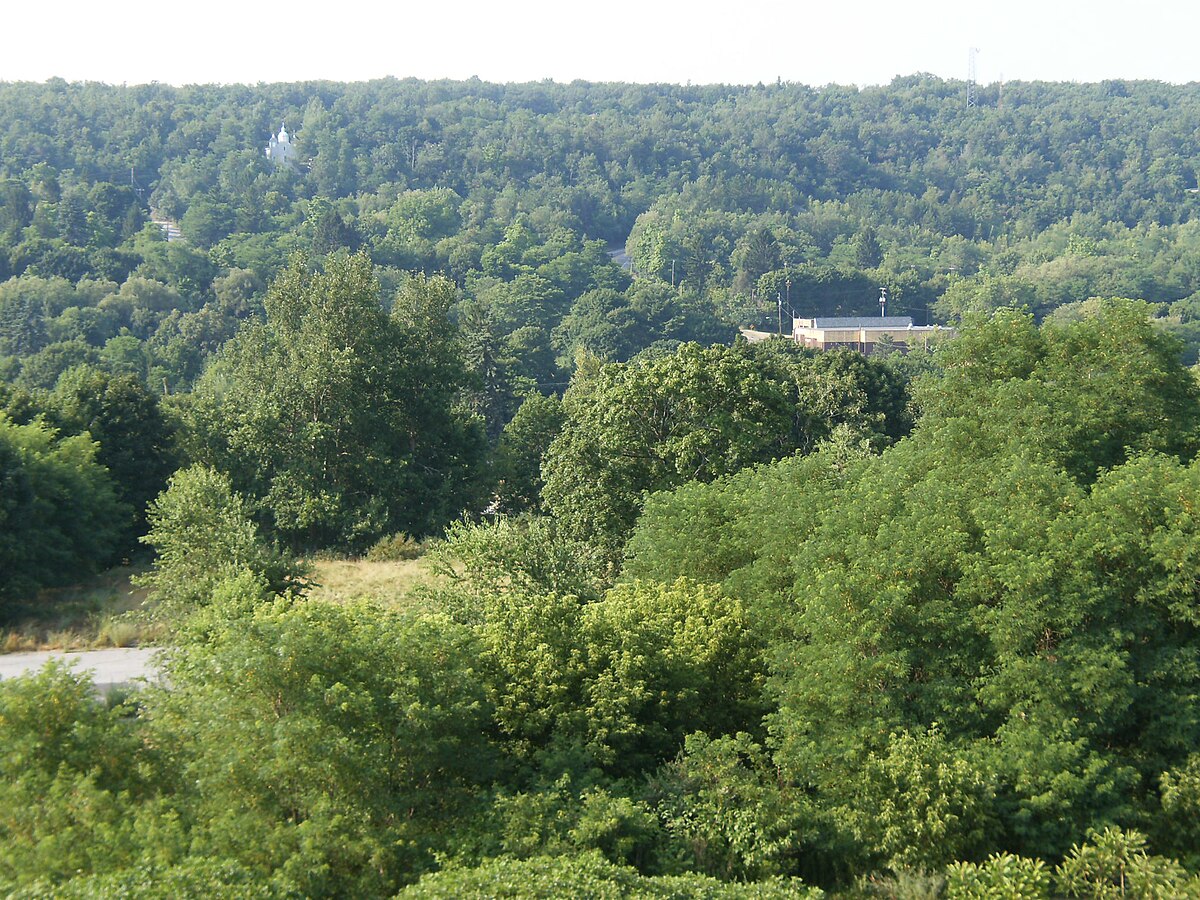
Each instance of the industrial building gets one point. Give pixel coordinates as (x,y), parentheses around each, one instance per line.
(863,333)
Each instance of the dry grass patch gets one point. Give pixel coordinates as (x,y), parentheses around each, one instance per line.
(107,610)
(97,613)
(391,583)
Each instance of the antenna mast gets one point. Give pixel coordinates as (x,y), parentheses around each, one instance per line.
(971,98)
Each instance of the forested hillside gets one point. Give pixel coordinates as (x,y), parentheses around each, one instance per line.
(1043,195)
(708,618)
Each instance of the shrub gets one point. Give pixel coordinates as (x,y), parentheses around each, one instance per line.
(193,879)
(723,805)
(622,679)
(901,884)
(1179,825)
(1114,863)
(920,803)
(335,746)
(560,820)
(1002,876)
(394,548)
(203,535)
(588,875)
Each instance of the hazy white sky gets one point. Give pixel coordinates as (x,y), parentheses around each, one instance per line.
(856,42)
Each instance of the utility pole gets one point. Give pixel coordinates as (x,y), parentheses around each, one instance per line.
(779,301)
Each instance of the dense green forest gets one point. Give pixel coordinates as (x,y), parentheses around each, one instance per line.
(711,618)
(1044,196)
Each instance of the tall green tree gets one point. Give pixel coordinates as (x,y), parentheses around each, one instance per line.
(339,419)
(136,443)
(521,449)
(1085,394)
(1015,575)
(868,253)
(697,414)
(60,519)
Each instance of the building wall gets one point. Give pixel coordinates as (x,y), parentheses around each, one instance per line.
(860,339)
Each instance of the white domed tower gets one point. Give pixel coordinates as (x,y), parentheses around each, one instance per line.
(279,148)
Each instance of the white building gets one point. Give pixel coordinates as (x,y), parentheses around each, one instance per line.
(280,150)
(862,333)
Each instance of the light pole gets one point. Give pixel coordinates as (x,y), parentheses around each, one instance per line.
(779,301)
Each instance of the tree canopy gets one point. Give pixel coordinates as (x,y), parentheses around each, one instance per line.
(697,414)
(699,616)
(336,417)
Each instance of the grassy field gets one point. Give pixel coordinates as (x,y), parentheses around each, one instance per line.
(81,617)
(104,611)
(389,583)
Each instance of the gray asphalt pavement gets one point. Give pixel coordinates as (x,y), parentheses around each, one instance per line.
(109,668)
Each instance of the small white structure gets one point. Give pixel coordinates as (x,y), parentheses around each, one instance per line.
(279,149)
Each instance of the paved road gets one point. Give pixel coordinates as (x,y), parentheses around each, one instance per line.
(109,667)
(621,258)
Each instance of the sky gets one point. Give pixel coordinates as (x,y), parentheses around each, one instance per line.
(744,42)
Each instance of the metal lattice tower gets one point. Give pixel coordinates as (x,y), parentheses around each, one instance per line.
(971,76)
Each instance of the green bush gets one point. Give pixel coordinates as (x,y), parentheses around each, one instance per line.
(726,811)
(395,548)
(482,564)
(589,876)
(78,790)
(901,884)
(558,820)
(920,803)
(339,747)
(1114,863)
(193,879)
(1179,825)
(1002,876)
(203,534)
(618,683)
